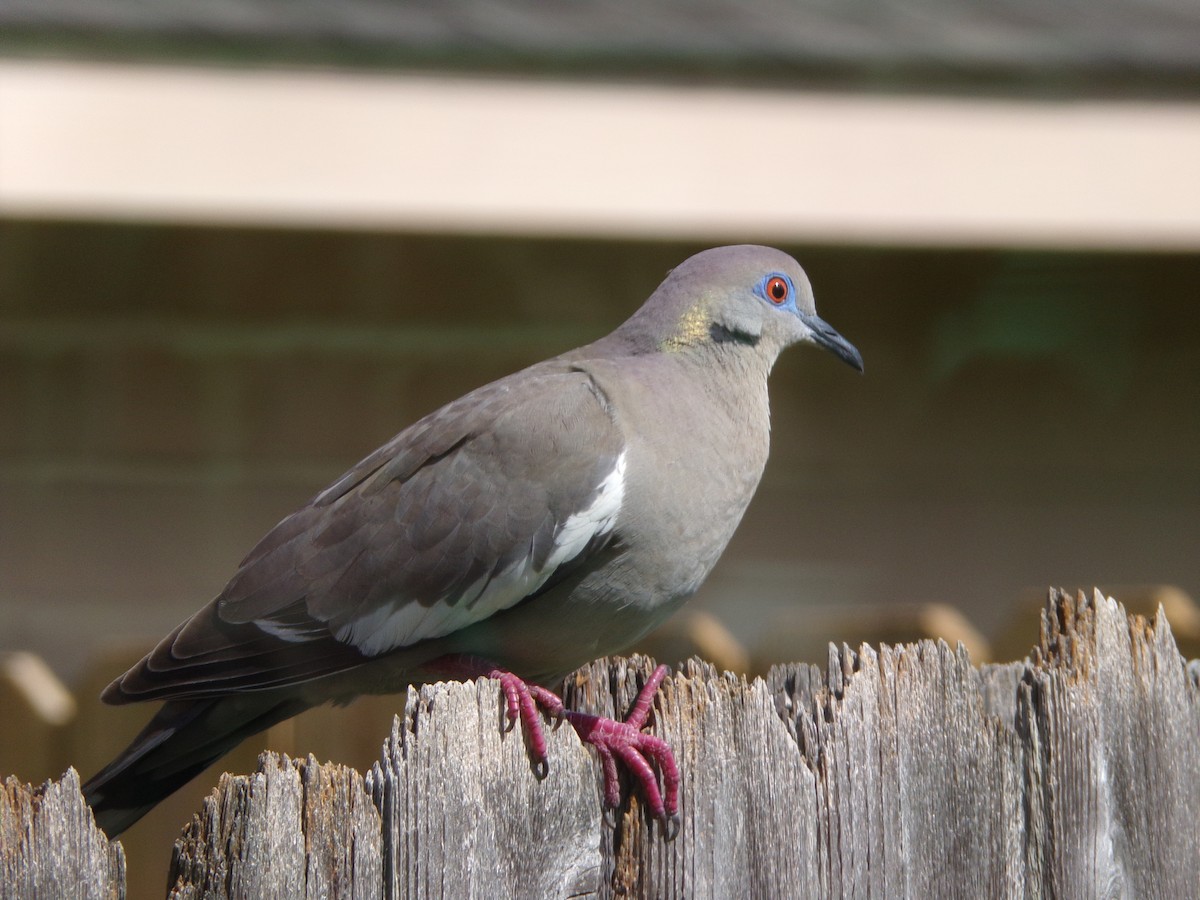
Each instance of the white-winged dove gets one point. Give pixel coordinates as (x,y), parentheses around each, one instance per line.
(543,520)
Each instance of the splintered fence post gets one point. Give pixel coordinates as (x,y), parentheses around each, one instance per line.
(892,772)
(50,847)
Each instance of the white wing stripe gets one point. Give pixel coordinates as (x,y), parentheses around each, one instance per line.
(402,623)
(573,535)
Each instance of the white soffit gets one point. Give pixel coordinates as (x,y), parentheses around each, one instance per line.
(341,150)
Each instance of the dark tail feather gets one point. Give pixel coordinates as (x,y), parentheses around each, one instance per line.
(179,742)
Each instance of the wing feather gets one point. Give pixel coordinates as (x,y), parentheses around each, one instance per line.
(465,513)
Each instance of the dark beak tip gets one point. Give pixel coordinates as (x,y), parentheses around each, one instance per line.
(825,335)
(846,352)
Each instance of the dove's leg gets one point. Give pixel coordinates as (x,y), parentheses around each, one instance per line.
(625,741)
(614,741)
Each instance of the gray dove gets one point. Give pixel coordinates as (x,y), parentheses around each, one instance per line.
(549,518)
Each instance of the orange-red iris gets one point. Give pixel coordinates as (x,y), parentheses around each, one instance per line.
(777,290)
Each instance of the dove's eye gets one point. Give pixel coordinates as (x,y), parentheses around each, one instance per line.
(777,290)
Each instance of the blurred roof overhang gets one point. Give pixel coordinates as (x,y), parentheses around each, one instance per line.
(1013,123)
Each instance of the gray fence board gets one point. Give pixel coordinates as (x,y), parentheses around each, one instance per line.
(50,848)
(896,772)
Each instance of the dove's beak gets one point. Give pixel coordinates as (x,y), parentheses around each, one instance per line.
(825,335)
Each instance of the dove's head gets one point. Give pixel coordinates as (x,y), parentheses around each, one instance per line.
(753,296)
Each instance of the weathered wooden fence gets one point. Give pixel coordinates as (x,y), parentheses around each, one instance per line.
(898,772)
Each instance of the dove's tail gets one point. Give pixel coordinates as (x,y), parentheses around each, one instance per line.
(180,741)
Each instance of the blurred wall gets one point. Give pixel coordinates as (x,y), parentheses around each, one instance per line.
(168,393)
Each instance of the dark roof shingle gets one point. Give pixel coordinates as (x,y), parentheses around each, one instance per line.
(1097,47)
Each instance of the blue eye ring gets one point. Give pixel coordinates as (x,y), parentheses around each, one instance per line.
(776,289)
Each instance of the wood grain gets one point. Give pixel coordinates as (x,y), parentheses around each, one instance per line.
(894,772)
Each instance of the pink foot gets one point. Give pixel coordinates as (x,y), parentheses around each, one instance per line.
(613,740)
(627,742)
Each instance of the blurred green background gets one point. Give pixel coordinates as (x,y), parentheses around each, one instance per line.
(1026,418)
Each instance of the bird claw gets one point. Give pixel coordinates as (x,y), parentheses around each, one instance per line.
(626,741)
(638,751)
(671,826)
(521,704)
(549,701)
